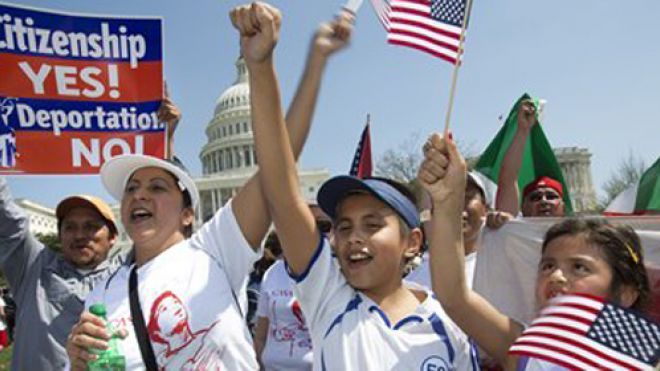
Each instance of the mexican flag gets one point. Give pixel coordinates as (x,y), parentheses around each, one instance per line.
(641,198)
(538,158)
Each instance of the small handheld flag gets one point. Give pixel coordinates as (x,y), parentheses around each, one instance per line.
(382,9)
(583,332)
(362,165)
(432,26)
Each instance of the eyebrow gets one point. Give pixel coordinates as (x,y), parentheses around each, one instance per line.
(372,215)
(158,178)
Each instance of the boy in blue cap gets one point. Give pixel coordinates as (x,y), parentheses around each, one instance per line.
(360,314)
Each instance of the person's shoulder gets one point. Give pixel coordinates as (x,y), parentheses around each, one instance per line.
(275,274)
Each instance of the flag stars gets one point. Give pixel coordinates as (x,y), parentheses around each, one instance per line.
(448,11)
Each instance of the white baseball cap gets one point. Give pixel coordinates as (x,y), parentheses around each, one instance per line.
(475,179)
(117,171)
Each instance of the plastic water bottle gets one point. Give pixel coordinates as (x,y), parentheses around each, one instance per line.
(110,359)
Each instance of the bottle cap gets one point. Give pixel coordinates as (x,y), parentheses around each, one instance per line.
(98,309)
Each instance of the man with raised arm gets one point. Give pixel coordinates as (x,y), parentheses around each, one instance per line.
(541,197)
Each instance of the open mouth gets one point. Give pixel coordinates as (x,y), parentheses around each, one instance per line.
(359,258)
(140,214)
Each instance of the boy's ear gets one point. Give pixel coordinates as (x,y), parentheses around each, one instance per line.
(415,240)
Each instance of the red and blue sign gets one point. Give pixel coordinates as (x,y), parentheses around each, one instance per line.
(77,90)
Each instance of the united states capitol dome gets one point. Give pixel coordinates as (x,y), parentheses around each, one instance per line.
(237,95)
(230,146)
(228,157)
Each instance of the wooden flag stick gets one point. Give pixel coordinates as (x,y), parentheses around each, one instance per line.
(468,7)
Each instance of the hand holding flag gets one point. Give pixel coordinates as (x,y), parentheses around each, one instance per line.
(583,332)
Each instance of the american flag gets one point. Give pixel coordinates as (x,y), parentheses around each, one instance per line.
(361,166)
(582,332)
(432,26)
(382,9)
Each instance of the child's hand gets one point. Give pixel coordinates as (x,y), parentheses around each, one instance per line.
(443,170)
(259,27)
(333,36)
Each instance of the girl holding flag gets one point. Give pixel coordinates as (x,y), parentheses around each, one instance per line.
(585,256)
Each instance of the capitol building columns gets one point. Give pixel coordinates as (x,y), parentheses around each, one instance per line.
(575,164)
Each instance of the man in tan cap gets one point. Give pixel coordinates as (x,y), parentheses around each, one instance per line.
(86,229)
(50,287)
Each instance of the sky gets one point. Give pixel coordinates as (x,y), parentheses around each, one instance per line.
(596,62)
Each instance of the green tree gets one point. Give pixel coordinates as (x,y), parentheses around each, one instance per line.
(50,239)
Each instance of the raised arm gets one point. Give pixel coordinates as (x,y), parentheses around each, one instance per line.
(259,29)
(18,248)
(169,113)
(443,174)
(329,38)
(254,218)
(508,195)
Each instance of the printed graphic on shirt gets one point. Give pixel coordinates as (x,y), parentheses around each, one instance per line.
(435,363)
(176,344)
(296,333)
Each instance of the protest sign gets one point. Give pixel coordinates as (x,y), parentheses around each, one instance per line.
(77,90)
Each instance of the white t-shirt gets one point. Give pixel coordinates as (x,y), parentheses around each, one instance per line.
(288,343)
(188,296)
(350,332)
(422,274)
(3,326)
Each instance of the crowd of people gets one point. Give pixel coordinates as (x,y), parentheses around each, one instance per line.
(357,279)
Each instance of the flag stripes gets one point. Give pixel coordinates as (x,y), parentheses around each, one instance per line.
(412,24)
(382,9)
(584,332)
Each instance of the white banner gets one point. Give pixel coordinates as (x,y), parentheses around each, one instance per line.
(508,258)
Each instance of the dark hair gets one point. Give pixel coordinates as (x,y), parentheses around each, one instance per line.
(272,252)
(621,247)
(187,203)
(272,243)
(472,188)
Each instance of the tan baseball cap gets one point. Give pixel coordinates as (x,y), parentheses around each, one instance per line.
(70,203)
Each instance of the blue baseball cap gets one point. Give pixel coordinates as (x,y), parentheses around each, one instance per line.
(333,191)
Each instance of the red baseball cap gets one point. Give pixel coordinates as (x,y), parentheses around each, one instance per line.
(543,181)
